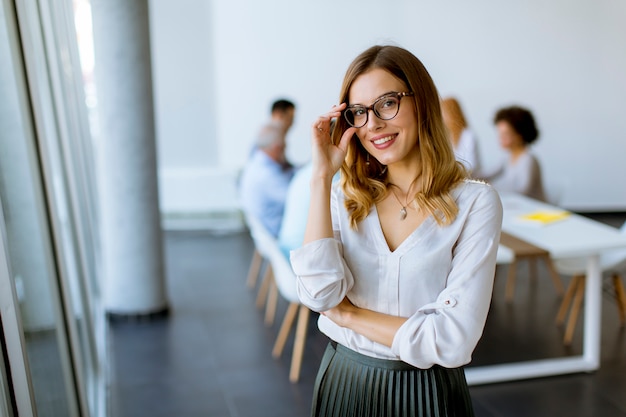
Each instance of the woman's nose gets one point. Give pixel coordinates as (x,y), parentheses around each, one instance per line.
(373,121)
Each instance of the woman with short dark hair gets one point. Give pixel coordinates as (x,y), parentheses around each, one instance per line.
(520,172)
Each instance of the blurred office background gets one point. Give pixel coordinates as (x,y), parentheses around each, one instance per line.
(122,121)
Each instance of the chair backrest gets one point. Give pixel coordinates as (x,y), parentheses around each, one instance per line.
(268,247)
(505,255)
(614,260)
(258,232)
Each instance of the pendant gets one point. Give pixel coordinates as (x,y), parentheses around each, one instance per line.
(403,213)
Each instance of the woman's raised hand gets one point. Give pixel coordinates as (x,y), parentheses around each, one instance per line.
(327,157)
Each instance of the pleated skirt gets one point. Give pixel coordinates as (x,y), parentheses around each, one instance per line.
(350,384)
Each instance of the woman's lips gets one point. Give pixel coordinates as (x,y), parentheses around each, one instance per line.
(383,141)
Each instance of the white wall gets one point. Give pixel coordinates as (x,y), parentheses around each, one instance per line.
(219,65)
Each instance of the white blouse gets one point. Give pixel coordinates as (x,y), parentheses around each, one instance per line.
(440,278)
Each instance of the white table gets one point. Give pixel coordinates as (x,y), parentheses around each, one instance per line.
(574,236)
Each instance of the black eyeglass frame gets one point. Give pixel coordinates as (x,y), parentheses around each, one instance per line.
(373,107)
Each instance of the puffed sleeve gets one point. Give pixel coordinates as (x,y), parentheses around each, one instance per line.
(323,279)
(446,331)
(322,276)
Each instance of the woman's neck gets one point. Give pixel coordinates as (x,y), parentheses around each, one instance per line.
(405,179)
(516,152)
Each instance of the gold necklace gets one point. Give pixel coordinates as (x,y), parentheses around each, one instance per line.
(403,211)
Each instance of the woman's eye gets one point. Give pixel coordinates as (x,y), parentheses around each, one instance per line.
(358,112)
(388,103)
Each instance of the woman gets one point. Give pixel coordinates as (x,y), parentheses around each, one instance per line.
(520,172)
(399,257)
(462,138)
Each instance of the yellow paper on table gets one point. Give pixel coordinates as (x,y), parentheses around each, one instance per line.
(543,217)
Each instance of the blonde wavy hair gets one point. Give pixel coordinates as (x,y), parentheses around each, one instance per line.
(366,184)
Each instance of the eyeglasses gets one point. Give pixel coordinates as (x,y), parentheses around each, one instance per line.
(385,107)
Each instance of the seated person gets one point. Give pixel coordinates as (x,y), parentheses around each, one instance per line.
(462,138)
(520,171)
(266,177)
(291,233)
(283,112)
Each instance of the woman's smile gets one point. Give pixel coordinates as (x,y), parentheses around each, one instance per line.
(383,141)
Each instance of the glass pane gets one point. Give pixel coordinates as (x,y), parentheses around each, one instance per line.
(70,162)
(28,238)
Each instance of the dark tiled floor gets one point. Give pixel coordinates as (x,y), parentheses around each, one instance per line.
(212,355)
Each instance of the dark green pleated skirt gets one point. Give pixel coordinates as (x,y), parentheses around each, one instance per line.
(350,384)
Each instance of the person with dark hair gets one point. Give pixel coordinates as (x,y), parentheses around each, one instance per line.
(398,256)
(283,111)
(266,177)
(520,172)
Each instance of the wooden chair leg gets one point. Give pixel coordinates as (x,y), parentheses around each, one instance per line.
(510,281)
(255,268)
(272,302)
(264,287)
(556,278)
(567,299)
(298,344)
(283,333)
(573,315)
(620,295)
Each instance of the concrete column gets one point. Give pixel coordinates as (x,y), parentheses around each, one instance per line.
(133,267)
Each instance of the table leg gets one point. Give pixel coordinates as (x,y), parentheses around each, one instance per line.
(593,313)
(587,362)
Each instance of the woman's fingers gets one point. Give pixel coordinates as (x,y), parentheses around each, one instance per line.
(345,138)
(321,125)
(336,110)
(323,122)
(326,155)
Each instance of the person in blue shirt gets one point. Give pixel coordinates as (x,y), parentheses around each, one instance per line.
(282,112)
(291,233)
(266,177)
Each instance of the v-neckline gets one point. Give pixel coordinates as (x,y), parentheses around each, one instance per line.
(408,242)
